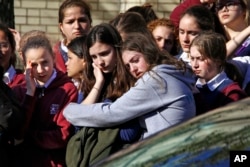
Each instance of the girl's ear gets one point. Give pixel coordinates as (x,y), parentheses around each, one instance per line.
(84,63)
(61,28)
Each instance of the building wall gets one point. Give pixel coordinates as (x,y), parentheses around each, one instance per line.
(43,14)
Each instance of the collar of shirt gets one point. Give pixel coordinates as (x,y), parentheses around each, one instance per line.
(53,76)
(213,83)
(76,82)
(185,57)
(9,74)
(64,47)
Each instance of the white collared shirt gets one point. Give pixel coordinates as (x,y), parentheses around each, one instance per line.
(215,82)
(9,75)
(243,65)
(53,76)
(64,47)
(185,57)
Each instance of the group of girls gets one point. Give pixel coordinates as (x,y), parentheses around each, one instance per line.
(234,19)
(114,77)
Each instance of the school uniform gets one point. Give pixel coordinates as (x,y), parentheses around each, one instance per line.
(184,57)
(219,91)
(61,56)
(46,131)
(13,77)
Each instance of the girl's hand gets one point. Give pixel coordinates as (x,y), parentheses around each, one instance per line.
(248,29)
(207,1)
(95,92)
(30,82)
(17,37)
(98,75)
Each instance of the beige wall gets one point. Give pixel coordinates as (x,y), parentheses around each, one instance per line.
(42,14)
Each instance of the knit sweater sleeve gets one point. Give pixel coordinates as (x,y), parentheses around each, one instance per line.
(232,93)
(139,100)
(131,131)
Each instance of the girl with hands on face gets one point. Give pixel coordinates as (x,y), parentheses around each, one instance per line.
(44,95)
(162,96)
(98,73)
(104,78)
(100,80)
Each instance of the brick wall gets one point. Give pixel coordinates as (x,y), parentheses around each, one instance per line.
(43,14)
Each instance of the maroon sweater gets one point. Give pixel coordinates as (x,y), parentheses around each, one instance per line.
(58,52)
(46,131)
(19,78)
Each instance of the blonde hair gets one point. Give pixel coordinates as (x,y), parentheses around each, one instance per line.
(211,45)
(246,7)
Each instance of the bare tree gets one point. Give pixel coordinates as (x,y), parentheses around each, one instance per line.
(7,12)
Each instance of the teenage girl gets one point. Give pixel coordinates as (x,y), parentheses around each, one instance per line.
(44,95)
(234,16)
(208,61)
(74,20)
(77,63)
(12,76)
(104,79)
(164,33)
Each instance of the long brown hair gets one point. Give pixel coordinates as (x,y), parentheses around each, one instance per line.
(145,44)
(245,4)
(119,81)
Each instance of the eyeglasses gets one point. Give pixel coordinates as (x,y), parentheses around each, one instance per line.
(4,46)
(228,6)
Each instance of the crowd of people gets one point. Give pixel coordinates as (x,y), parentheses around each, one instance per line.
(104,87)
